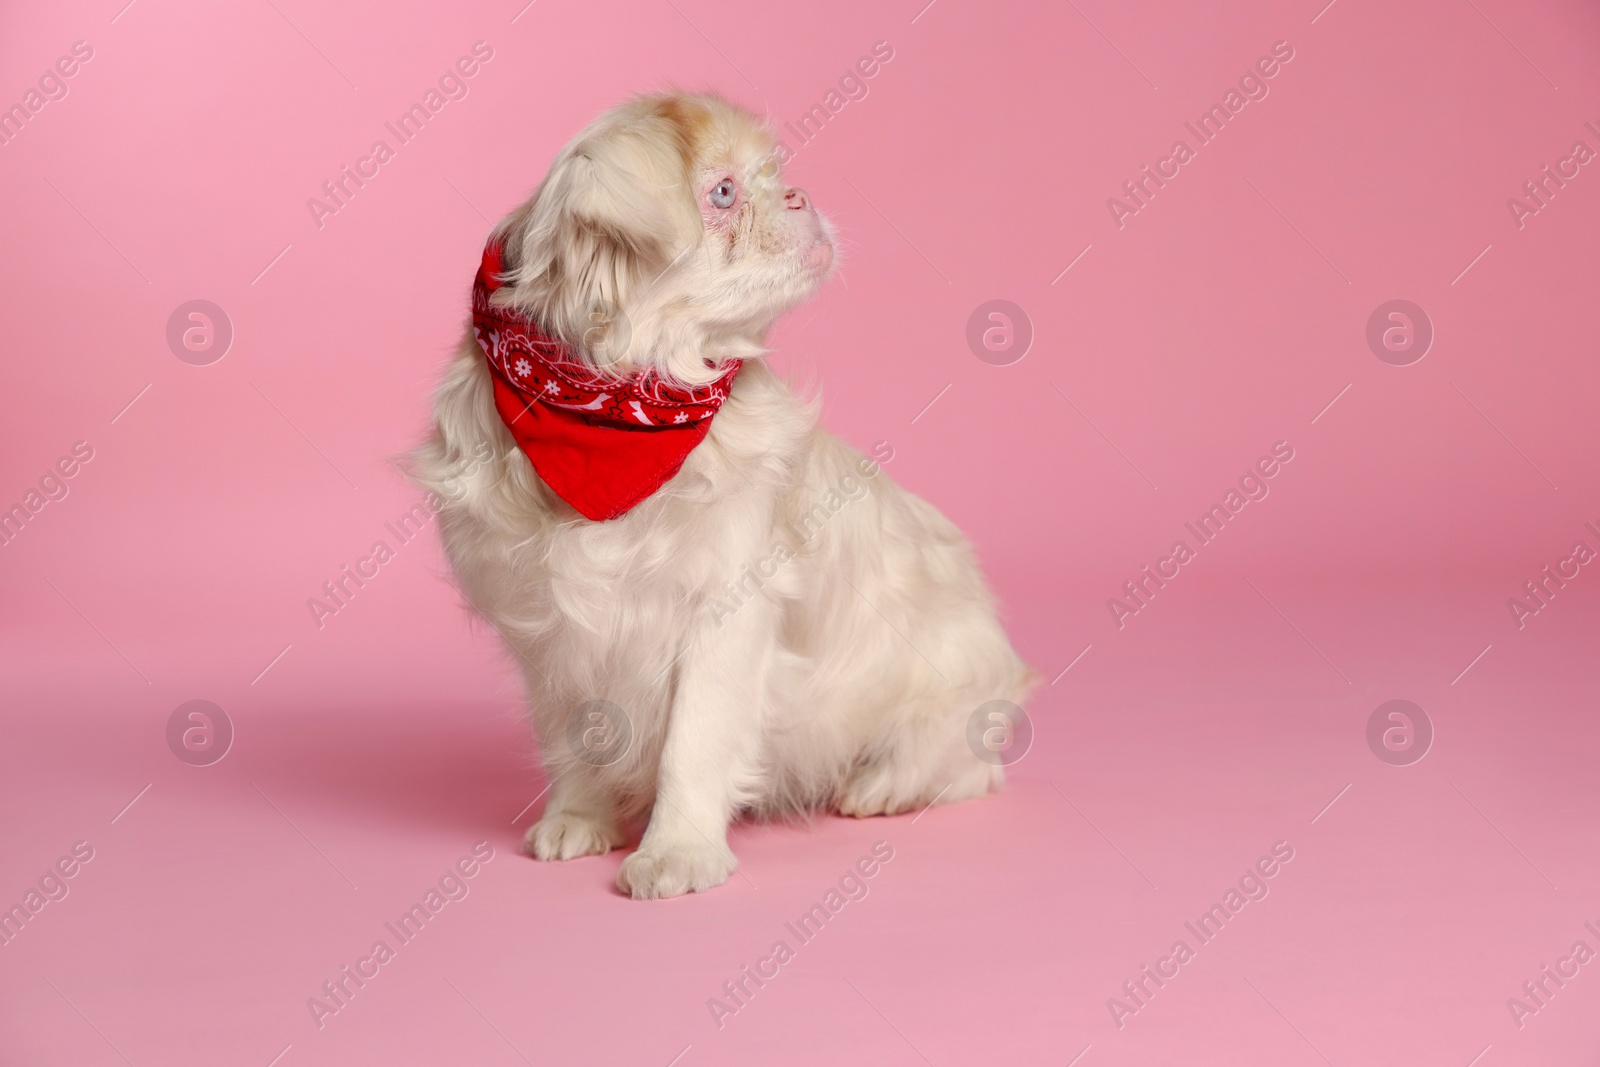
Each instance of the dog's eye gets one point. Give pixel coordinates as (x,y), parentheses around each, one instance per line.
(723,193)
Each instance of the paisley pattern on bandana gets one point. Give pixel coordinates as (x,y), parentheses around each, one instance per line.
(603,443)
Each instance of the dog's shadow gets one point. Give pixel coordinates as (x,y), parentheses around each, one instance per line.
(464,772)
(470,770)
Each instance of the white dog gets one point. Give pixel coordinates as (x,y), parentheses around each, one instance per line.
(712,615)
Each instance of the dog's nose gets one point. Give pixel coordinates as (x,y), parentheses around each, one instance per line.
(795,199)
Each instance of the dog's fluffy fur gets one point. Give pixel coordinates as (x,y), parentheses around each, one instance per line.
(842,678)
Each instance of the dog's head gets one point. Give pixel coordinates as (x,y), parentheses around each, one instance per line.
(663,237)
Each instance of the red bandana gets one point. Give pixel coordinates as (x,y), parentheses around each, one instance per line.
(602,443)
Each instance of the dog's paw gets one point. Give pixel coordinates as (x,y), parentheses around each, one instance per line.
(864,805)
(565,836)
(875,792)
(653,873)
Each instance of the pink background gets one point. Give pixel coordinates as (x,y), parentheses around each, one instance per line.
(1226,716)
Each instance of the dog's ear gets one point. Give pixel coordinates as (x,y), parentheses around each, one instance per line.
(616,209)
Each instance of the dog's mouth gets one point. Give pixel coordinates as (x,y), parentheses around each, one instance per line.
(818,257)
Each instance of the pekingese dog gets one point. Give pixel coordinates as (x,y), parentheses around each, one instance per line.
(717,606)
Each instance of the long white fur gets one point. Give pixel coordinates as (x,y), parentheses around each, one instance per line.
(841,678)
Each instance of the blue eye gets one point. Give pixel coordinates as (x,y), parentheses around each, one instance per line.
(723,193)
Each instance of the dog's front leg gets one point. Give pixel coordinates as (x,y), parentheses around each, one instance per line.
(711,746)
(578,819)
